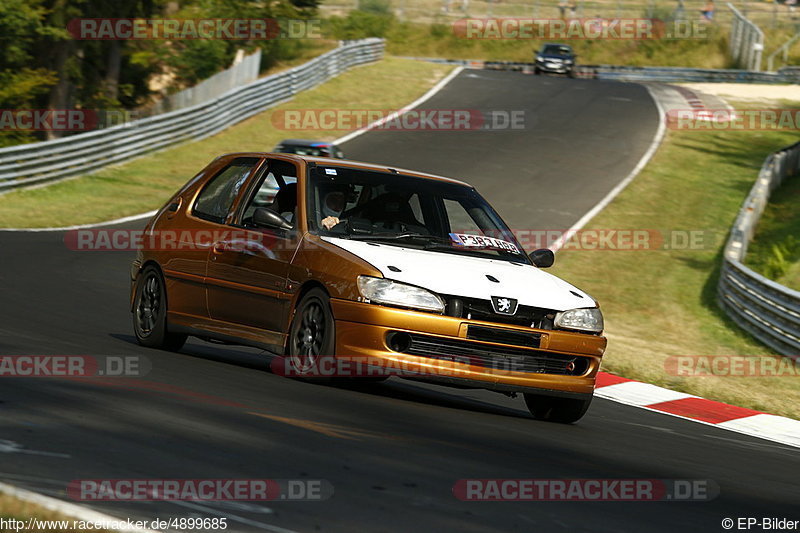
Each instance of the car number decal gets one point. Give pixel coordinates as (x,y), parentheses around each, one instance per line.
(479,241)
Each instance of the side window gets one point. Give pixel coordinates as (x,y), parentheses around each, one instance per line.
(277,191)
(217,197)
(460,219)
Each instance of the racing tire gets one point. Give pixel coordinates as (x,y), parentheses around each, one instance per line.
(150,313)
(312,336)
(560,410)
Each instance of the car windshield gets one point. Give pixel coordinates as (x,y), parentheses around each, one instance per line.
(555,50)
(408,211)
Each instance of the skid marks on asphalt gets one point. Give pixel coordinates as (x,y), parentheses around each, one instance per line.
(331,430)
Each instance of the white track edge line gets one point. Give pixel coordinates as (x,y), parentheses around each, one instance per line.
(69,509)
(431,92)
(648,155)
(85,226)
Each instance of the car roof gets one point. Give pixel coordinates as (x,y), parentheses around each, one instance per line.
(545,45)
(327,161)
(305,142)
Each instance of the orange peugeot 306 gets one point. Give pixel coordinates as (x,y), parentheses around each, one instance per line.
(335,265)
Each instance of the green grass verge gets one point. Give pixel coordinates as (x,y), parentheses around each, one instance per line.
(707,49)
(12,508)
(775,250)
(145,183)
(662,303)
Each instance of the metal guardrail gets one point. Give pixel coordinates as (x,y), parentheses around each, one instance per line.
(767,310)
(35,163)
(625,73)
(680,74)
(746,41)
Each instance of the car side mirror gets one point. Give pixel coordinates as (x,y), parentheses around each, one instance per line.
(543,257)
(267,218)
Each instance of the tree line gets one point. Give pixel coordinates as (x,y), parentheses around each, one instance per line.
(43,65)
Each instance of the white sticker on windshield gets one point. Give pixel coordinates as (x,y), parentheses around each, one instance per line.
(479,241)
(330,171)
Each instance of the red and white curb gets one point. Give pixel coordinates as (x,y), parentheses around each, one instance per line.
(658,399)
(701,112)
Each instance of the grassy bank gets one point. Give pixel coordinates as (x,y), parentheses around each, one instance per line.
(661,303)
(12,508)
(707,47)
(440,41)
(144,183)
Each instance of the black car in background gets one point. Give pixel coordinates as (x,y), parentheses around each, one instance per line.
(306,147)
(555,58)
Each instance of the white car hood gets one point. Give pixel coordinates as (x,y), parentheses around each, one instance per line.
(461,275)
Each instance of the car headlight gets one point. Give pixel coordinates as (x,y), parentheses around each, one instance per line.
(580,319)
(539,58)
(386,291)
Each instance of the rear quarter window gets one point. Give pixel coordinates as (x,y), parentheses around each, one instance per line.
(217,197)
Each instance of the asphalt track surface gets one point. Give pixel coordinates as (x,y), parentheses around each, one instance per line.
(391,451)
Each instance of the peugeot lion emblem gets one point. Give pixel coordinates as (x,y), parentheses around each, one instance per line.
(503,305)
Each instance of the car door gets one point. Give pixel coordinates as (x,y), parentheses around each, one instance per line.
(186,236)
(247,270)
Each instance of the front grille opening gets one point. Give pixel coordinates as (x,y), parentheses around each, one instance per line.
(477,309)
(500,358)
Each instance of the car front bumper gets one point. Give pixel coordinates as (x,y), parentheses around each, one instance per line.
(555,68)
(441,351)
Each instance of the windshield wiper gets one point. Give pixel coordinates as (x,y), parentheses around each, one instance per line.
(400,236)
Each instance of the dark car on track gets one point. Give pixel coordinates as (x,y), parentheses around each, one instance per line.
(556,59)
(306,147)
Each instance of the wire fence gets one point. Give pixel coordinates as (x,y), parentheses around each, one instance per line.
(655,74)
(36,163)
(241,73)
(765,14)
